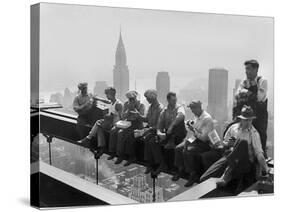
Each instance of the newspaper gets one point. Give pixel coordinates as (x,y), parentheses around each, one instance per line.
(214,137)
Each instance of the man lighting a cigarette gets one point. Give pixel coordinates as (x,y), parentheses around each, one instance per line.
(243,153)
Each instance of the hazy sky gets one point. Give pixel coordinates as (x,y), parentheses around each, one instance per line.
(78,43)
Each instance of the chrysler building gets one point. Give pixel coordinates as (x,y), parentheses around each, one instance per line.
(121,71)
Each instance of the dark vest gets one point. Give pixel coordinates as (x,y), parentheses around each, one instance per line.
(260,108)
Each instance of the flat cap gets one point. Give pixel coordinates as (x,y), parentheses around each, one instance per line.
(254,63)
(150,93)
(195,104)
(131,94)
(82,85)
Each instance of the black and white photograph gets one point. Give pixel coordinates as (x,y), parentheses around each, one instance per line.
(133,106)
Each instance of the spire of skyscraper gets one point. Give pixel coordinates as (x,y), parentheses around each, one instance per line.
(121,71)
(120,56)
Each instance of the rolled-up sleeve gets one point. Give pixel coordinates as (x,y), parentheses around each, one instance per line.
(208,126)
(124,113)
(240,88)
(76,107)
(181,111)
(161,121)
(229,133)
(142,109)
(262,90)
(256,143)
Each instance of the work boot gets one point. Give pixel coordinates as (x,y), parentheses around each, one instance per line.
(162,167)
(100,152)
(118,161)
(176,177)
(148,170)
(225,178)
(111,157)
(85,140)
(130,161)
(193,178)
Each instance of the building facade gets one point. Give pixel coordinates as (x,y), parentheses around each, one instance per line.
(217,96)
(141,192)
(162,86)
(121,71)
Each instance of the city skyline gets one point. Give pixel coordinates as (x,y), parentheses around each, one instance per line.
(187,45)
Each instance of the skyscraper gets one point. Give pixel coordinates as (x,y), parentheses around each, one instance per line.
(142,192)
(217,96)
(121,71)
(162,86)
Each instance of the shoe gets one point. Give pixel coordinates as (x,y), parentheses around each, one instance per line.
(225,178)
(99,153)
(176,177)
(111,157)
(192,179)
(221,182)
(189,183)
(129,162)
(148,170)
(118,161)
(84,141)
(160,169)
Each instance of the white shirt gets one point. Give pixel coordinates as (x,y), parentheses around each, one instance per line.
(203,125)
(251,135)
(112,110)
(262,87)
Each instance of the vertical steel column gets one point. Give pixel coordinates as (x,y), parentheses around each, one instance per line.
(97,171)
(97,166)
(153,176)
(50,153)
(49,140)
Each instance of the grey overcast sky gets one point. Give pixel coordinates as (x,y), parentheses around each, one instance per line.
(78,43)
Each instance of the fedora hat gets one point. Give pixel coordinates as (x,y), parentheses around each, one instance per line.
(247,113)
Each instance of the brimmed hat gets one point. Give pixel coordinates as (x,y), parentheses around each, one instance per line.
(82,85)
(195,104)
(247,113)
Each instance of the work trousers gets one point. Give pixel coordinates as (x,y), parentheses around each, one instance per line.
(81,126)
(260,123)
(188,157)
(238,159)
(153,154)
